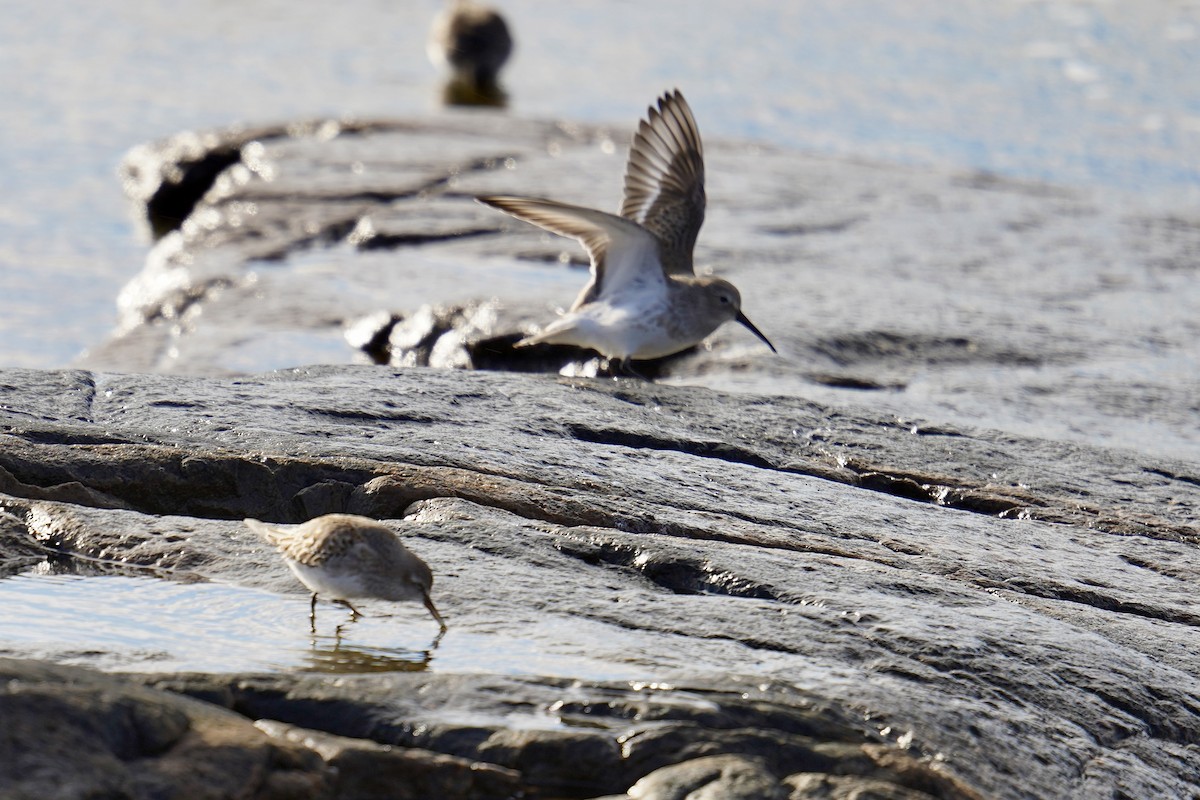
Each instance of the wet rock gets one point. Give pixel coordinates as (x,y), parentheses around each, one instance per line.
(566,738)
(944,547)
(570,762)
(944,609)
(160,733)
(838,787)
(74,733)
(730,777)
(363,769)
(17,551)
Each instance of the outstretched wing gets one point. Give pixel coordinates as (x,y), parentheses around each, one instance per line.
(664,181)
(624,255)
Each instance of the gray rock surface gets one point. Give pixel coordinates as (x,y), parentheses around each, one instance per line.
(1016,615)
(966,298)
(709,778)
(74,733)
(945,547)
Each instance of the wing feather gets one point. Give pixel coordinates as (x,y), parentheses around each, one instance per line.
(664,181)
(623,254)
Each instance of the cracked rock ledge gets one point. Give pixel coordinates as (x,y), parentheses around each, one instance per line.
(801,634)
(942,548)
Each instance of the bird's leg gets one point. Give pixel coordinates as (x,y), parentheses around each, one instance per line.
(354,612)
(312,613)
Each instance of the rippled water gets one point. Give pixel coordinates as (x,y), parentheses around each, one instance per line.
(145,624)
(1089,93)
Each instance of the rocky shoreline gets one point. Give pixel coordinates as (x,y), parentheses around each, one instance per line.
(1044,624)
(944,547)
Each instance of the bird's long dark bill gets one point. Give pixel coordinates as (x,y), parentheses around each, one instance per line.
(433,610)
(742,318)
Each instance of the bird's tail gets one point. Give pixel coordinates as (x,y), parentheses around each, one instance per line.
(272,534)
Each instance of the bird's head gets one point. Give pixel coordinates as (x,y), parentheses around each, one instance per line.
(725,303)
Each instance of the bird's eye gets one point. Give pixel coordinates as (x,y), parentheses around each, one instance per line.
(725,299)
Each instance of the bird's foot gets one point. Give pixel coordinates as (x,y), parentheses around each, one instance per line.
(355,614)
(624,368)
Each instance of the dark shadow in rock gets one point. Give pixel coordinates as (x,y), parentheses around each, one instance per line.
(370,334)
(168,178)
(940,490)
(934,489)
(722,451)
(385,241)
(897,486)
(809,228)
(990,181)
(856,382)
(676,575)
(464,337)
(499,353)
(18,551)
(173,202)
(567,257)
(880,346)
(68,438)
(110,737)
(1174,476)
(56,556)
(606,738)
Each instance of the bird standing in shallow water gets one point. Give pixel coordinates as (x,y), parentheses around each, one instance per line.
(347,557)
(644,299)
(474,41)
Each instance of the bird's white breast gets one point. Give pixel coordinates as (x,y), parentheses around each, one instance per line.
(329,581)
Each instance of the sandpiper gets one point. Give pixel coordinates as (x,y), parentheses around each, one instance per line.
(347,557)
(473,40)
(644,299)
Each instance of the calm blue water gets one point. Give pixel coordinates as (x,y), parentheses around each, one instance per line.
(1098,94)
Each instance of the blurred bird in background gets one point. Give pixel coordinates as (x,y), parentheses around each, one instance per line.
(473,41)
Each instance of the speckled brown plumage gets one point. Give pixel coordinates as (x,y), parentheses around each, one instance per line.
(346,557)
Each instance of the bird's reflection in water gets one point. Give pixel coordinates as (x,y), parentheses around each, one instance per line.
(332,654)
(459,92)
